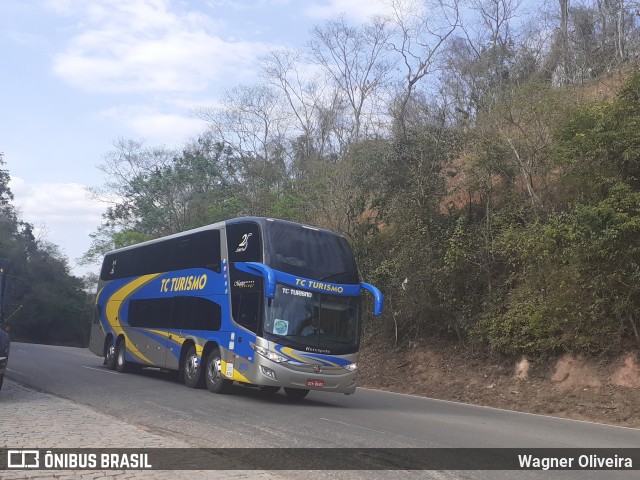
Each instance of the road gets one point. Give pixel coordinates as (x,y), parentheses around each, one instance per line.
(245,418)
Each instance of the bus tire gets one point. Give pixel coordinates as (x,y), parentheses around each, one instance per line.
(1,379)
(110,356)
(121,364)
(192,370)
(214,379)
(296,393)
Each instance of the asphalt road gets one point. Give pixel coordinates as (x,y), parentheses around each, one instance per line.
(245,418)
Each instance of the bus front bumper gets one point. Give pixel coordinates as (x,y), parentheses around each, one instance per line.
(336,380)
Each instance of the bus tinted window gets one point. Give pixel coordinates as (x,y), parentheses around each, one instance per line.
(244,242)
(150,313)
(198,250)
(247,309)
(196,313)
(310,253)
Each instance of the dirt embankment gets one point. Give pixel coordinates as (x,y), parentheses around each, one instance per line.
(571,387)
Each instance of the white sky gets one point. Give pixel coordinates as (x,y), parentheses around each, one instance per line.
(77,74)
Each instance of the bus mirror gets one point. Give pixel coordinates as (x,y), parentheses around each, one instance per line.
(257,268)
(377,298)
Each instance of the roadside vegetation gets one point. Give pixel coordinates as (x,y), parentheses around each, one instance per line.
(44,303)
(482,160)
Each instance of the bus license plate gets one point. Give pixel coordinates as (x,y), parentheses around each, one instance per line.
(315,383)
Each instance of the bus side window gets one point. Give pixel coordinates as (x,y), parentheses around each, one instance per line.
(150,313)
(246,307)
(196,313)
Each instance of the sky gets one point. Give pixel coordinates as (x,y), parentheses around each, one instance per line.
(76,75)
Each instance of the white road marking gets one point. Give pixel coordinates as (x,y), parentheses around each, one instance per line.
(550,417)
(100,370)
(351,425)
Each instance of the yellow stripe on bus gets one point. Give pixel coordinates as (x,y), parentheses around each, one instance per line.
(112,309)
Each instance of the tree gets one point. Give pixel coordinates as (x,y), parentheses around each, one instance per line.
(353,59)
(158,192)
(51,308)
(251,125)
(420,32)
(487,58)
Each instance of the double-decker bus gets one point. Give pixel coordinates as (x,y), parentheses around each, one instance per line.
(263,302)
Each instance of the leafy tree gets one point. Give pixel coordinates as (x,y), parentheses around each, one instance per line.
(51,309)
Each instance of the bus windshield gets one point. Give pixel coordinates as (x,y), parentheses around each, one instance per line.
(309,253)
(314,322)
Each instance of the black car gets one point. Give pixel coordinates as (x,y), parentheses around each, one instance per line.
(4,353)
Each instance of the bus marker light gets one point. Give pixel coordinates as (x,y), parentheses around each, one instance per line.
(268,372)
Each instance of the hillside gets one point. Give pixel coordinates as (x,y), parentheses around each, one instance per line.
(569,387)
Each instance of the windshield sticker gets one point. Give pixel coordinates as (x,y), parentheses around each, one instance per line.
(297,293)
(280,327)
(244,244)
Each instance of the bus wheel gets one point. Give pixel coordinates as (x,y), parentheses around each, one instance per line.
(191,370)
(110,357)
(296,393)
(216,383)
(268,390)
(121,364)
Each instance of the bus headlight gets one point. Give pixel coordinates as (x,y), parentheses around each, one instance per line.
(274,357)
(352,367)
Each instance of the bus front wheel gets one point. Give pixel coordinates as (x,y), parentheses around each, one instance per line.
(121,364)
(216,383)
(296,393)
(191,369)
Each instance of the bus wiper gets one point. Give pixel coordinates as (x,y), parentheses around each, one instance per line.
(334,275)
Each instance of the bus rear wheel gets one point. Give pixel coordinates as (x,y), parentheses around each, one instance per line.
(296,393)
(192,370)
(216,383)
(110,357)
